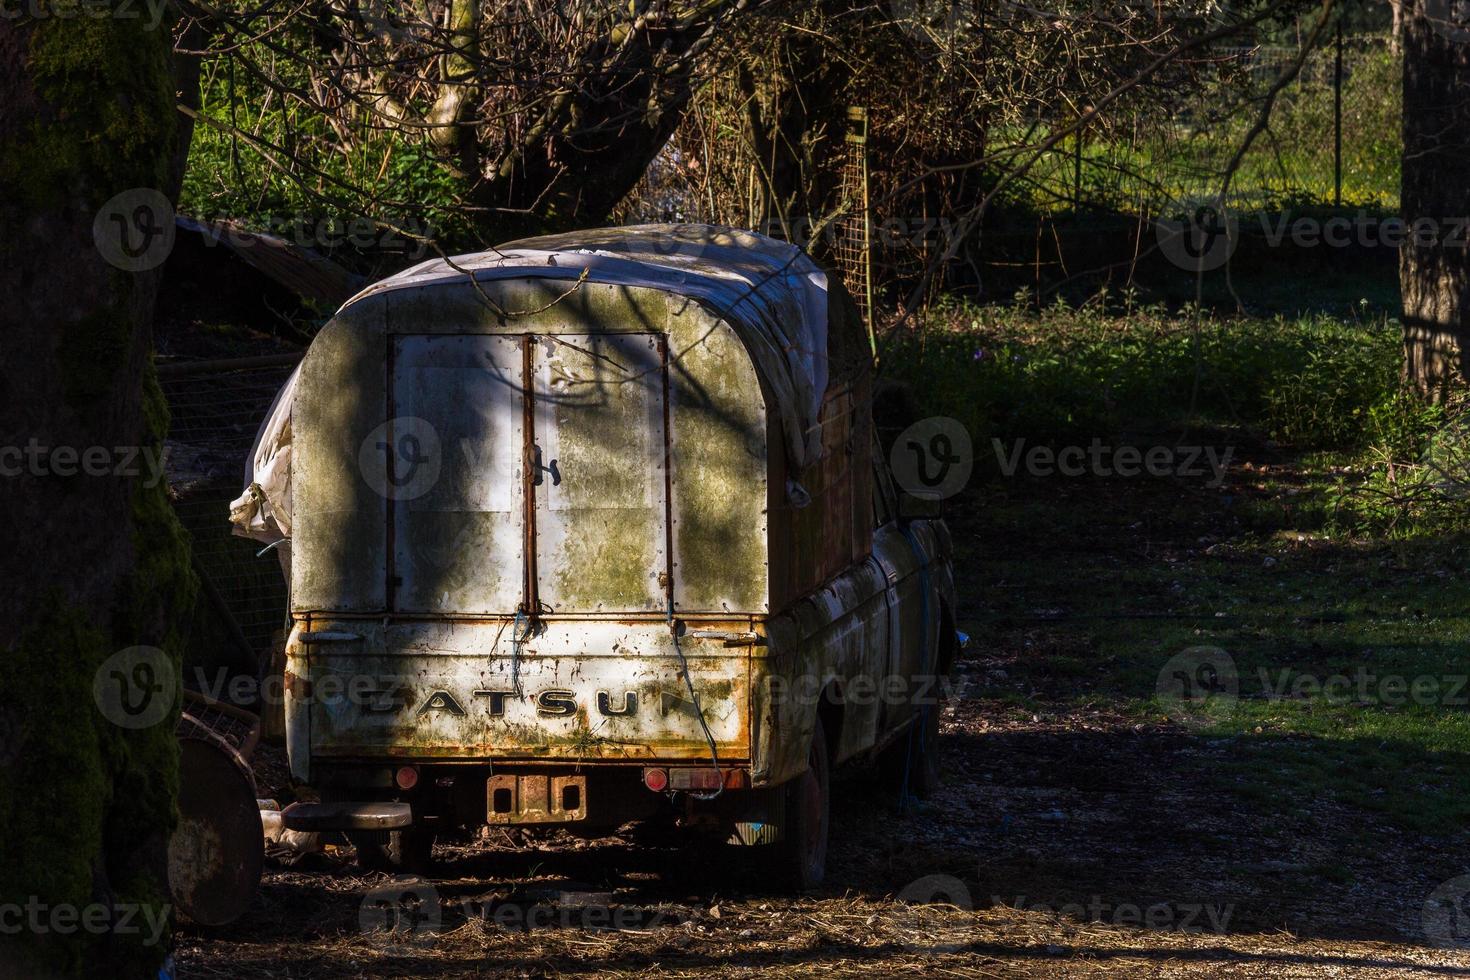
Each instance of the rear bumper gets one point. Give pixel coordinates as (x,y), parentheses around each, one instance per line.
(362,797)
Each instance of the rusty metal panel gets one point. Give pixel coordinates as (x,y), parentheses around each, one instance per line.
(838,474)
(338,550)
(718,456)
(296,712)
(913,640)
(837,636)
(455,444)
(601,527)
(216,850)
(578,689)
(831,532)
(535,797)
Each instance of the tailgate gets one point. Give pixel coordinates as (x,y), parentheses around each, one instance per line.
(577,690)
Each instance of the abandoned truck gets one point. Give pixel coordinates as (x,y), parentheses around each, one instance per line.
(594,529)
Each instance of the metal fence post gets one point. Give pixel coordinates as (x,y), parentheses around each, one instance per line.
(1337,122)
(855,251)
(1077,170)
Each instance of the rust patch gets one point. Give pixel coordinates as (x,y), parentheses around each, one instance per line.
(535,798)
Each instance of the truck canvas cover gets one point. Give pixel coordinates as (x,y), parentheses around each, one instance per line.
(773,295)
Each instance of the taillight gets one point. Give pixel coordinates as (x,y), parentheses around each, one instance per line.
(406,777)
(700,779)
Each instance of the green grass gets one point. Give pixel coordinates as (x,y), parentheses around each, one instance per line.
(1150,164)
(1075,571)
(1112,368)
(1087,587)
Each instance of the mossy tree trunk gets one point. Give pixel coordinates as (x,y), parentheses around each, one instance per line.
(1434,263)
(95,561)
(794,95)
(594,141)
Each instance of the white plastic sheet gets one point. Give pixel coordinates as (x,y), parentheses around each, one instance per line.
(263,511)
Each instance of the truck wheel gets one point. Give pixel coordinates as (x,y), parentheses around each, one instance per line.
(912,763)
(802,854)
(396,850)
(926,773)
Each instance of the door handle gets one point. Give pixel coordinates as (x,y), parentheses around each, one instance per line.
(750,638)
(538,469)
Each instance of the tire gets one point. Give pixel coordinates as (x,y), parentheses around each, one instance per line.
(801,856)
(408,850)
(926,770)
(913,765)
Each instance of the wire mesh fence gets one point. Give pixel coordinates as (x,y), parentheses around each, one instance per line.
(1295,129)
(1331,137)
(216,410)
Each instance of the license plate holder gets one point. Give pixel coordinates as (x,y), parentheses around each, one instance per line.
(535,798)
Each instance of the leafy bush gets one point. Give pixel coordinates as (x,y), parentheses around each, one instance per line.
(1066,375)
(386,177)
(1416,481)
(1124,374)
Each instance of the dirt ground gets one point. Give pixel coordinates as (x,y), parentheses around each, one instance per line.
(1067,842)
(1068,837)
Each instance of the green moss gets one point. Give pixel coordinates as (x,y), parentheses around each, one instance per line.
(155,604)
(92,352)
(606,561)
(54,795)
(719,447)
(108,91)
(85,807)
(158,598)
(90,801)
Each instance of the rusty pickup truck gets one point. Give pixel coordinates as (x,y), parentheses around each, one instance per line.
(595,529)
